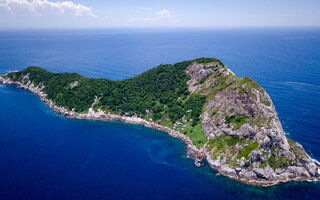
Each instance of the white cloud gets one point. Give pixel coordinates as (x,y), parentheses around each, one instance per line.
(45,7)
(163,13)
(160,15)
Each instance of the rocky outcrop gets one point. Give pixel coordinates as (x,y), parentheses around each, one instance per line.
(246,141)
(238,109)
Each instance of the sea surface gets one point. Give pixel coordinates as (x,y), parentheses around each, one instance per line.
(46,156)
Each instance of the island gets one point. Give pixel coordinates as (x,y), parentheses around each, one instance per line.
(226,120)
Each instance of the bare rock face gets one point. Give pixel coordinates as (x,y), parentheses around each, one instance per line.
(241,116)
(198,72)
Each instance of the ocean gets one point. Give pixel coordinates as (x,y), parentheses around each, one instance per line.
(47,156)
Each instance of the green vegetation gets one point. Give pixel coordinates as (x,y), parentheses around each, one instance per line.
(239,121)
(291,142)
(246,84)
(282,162)
(160,93)
(204,79)
(298,151)
(226,145)
(263,165)
(213,113)
(196,134)
(244,152)
(265,101)
(242,90)
(260,122)
(221,144)
(220,83)
(278,162)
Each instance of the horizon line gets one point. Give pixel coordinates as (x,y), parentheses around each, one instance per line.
(169,27)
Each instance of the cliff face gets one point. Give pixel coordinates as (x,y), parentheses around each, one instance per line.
(238,130)
(245,137)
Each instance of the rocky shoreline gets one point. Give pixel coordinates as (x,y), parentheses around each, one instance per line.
(225,170)
(192,151)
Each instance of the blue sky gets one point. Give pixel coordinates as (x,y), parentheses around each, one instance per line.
(158,13)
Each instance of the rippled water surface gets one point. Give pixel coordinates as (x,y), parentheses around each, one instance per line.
(46,156)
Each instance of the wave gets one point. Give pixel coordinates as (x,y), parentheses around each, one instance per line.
(301,83)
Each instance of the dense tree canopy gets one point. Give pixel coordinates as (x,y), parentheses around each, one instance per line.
(160,93)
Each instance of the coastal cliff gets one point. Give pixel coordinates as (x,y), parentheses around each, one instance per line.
(229,121)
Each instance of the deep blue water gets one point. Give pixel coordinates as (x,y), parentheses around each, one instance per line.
(46,156)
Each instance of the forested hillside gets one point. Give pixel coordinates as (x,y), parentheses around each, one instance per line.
(160,93)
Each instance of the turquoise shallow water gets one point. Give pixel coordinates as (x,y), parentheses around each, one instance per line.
(46,156)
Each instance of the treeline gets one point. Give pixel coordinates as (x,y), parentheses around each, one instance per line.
(161,92)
